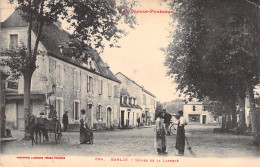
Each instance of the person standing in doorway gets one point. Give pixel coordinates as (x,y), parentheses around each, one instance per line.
(65,121)
(138,121)
(180,139)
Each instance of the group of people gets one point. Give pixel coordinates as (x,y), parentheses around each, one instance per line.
(83,125)
(162,129)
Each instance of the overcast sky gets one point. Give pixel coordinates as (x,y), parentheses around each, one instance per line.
(139,57)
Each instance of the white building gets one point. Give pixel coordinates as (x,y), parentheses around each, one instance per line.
(195,113)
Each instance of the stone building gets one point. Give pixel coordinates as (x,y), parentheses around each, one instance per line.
(135,102)
(61,80)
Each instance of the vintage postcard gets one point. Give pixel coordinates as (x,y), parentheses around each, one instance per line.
(130,83)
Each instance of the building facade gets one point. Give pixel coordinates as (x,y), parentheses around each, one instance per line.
(195,113)
(61,80)
(135,102)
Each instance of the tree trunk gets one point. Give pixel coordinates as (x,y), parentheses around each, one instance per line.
(27,104)
(242,117)
(254,117)
(223,123)
(234,114)
(2,102)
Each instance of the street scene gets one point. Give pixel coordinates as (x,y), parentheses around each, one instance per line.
(139,141)
(129,78)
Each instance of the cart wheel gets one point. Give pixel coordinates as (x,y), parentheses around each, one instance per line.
(172,129)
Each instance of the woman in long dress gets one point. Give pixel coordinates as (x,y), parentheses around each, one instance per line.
(83,126)
(180,138)
(160,138)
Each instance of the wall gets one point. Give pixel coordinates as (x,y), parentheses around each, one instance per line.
(45,76)
(188,109)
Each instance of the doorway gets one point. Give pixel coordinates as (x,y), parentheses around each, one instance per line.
(122,118)
(109,117)
(90,115)
(204,119)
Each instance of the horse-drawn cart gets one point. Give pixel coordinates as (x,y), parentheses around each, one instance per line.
(41,127)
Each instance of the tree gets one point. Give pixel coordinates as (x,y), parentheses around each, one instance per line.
(215,50)
(92,20)
(159,107)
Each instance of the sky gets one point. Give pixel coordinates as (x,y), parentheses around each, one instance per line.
(139,56)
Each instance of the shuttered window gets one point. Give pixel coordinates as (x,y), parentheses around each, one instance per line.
(100,87)
(13,41)
(59,74)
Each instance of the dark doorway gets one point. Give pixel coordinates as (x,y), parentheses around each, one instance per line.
(204,119)
(122,118)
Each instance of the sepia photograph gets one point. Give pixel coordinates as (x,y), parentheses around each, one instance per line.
(130,83)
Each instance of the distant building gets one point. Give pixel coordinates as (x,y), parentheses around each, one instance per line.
(196,113)
(88,85)
(135,102)
(257,105)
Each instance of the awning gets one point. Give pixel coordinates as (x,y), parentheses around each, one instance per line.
(21,96)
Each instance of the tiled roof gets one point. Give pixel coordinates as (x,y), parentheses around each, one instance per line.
(130,106)
(53,37)
(146,91)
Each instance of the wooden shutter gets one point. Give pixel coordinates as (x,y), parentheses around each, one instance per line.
(87,83)
(93,84)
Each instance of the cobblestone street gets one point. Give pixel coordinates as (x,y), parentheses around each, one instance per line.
(137,142)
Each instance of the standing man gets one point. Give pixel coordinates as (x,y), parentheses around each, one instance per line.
(138,121)
(180,139)
(167,121)
(65,120)
(160,138)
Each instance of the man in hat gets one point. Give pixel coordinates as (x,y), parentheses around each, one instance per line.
(65,121)
(167,121)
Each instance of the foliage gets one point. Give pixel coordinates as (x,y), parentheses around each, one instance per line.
(159,107)
(98,20)
(215,50)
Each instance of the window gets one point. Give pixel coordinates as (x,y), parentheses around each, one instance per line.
(109,89)
(194,108)
(76,80)
(99,112)
(134,101)
(59,107)
(76,110)
(59,75)
(100,87)
(13,41)
(130,100)
(90,84)
(125,99)
(204,108)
